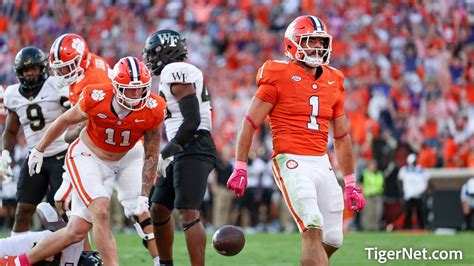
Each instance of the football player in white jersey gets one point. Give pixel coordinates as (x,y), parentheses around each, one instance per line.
(13,246)
(186,161)
(33,104)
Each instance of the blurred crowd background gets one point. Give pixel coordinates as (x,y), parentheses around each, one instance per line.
(409,68)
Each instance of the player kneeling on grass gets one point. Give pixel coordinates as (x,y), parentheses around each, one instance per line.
(301,99)
(105,156)
(72,255)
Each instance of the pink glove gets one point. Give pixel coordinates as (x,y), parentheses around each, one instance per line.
(353,194)
(238,180)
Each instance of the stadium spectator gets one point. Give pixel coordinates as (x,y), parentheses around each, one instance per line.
(373,188)
(221,197)
(414,179)
(467,201)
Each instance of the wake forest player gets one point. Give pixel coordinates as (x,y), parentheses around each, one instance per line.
(33,104)
(190,153)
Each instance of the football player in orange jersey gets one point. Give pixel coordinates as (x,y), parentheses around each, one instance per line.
(301,98)
(105,156)
(71,60)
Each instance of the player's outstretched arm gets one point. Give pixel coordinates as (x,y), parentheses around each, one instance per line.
(57,128)
(256,114)
(344,156)
(152,151)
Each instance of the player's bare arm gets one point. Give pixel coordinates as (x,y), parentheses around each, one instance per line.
(72,116)
(256,114)
(343,144)
(152,151)
(9,139)
(73,132)
(12,126)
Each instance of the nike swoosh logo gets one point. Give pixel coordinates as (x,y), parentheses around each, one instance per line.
(241,180)
(331,82)
(139,120)
(59,157)
(44,97)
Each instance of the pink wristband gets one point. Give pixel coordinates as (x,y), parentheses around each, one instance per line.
(349,179)
(241,165)
(23,259)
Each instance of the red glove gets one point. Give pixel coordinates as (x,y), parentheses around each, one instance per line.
(353,194)
(238,180)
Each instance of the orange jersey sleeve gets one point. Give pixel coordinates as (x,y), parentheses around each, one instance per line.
(96,73)
(339,105)
(107,130)
(303,106)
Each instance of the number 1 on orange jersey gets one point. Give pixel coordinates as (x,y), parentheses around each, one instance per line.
(313,122)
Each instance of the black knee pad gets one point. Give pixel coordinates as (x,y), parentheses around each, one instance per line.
(161,223)
(191,224)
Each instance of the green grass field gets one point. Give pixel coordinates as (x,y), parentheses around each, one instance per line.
(284,249)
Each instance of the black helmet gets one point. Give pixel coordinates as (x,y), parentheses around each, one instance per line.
(27,57)
(90,258)
(163,47)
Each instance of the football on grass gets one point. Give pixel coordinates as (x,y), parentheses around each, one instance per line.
(228,240)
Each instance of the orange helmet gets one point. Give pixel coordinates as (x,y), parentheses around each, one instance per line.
(299,32)
(131,74)
(69,57)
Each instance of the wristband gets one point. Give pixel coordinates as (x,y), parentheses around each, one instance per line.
(349,179)
(241,165)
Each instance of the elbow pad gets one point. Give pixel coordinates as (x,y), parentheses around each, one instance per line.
(189,107)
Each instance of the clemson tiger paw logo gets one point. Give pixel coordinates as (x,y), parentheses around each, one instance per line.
(291,164)
(78,45)
(98,95)
(151,103)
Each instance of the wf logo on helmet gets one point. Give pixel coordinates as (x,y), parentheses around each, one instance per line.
(291,164)
(168,38)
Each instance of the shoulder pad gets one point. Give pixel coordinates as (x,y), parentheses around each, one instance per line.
(9,95)
(268,72)
(339,76)
(97,92)
(180,72)
(55,82)
(157,106)
(98,62)
(336,71)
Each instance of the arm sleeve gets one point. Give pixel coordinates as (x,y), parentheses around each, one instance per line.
(189,107)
